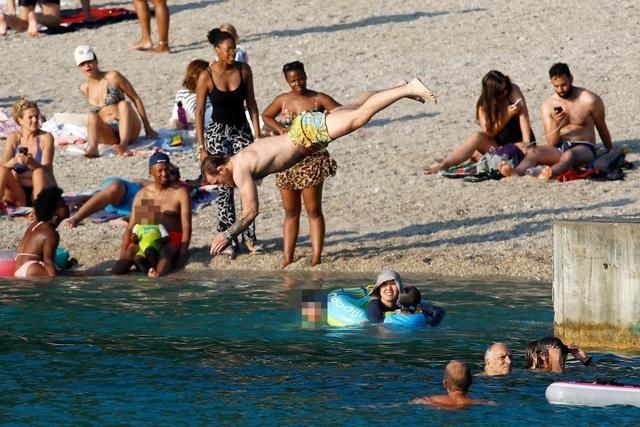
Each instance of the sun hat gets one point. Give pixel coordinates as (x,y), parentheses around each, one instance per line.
(83,53)
(385,276)
(158,158)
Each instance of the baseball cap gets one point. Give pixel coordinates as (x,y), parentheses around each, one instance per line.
(158,158)
(83,53)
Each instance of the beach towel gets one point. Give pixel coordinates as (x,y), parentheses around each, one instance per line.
(7,124)
(73,19)
(460,171)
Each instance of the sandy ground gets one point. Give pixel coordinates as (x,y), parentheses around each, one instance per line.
(380,209)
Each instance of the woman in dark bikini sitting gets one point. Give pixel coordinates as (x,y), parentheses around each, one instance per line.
(37,249)
(304,179)
(501,112)
(27,162)
(112,120)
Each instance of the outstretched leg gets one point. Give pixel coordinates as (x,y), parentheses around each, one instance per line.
(478,141)
(112,194)
(345,121)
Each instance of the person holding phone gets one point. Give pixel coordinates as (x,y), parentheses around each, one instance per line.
(501,112)
(570,117)
(27,162)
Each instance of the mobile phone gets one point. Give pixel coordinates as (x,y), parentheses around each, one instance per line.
(557,109)
(23,150)
(518,102)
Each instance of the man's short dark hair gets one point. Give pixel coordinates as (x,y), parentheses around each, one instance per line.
(558,69)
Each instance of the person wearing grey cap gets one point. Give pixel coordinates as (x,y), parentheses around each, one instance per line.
(384,298)
(112,120)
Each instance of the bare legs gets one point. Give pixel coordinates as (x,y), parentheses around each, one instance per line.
(477,142)
(162,19)
(28,21)
(112,194)
(557,161)
(10,189)
(351,117)
(291,201)
(98,132)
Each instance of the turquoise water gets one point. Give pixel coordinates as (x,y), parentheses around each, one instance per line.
(231,351)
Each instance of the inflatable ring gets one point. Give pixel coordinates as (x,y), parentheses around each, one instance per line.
(346,307)
(592,394)
(7,263)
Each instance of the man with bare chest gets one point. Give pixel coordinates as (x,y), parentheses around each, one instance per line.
(174,205)
(570,118)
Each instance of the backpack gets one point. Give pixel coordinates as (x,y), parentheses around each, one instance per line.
(611,163)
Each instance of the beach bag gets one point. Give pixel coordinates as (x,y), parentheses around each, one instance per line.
(611,163)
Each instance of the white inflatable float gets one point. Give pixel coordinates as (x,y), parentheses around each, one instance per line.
(592,394)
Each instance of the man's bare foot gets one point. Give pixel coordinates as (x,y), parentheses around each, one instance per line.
(32,28)
(434,168)
(162,47)
(419,90)
(315,261)
(546,173)
(3,25)
(142,44)
(152,273)
(506,169)
(286,263)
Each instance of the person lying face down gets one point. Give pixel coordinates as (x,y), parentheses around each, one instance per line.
(457,381)
(497,360)
(549,354)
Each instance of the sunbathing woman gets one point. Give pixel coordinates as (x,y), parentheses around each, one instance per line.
(309,133)
(27,162)
(37,249)
(305,179)
(112,120)
(501,112)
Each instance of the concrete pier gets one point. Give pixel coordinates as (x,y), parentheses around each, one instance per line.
(596,283)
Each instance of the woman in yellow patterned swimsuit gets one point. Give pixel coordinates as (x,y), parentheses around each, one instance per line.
(305,179)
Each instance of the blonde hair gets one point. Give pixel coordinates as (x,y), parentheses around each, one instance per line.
(229,28)
(20,106)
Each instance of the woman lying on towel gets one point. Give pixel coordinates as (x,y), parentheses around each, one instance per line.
(112,120)
(501,112)
(27,162)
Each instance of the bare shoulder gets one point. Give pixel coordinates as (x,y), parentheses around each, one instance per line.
(114,77)
(83,87)
(587,97)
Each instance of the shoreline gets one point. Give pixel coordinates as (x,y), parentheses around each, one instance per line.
(380,210)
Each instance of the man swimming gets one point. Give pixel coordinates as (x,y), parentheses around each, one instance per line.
(310,132)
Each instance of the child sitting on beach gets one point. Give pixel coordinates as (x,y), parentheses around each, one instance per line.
(147,239)
(187,95)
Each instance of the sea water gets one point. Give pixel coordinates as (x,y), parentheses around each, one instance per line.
(232,351)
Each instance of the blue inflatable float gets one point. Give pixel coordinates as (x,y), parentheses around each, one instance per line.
(346,307)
